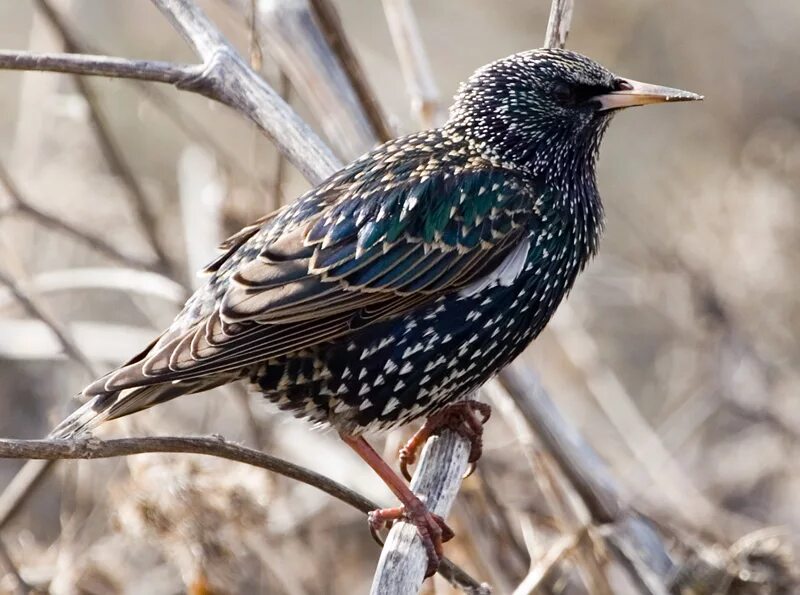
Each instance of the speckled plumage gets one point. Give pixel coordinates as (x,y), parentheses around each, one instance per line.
(411,276)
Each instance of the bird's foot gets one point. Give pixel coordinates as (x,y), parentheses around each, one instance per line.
(433,531)
(463,417)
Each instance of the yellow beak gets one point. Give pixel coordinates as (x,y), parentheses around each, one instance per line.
(635,93)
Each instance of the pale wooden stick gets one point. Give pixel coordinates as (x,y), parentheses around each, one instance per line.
(414,63)
(436,481)
(559,23)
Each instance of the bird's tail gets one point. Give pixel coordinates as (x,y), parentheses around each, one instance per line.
(106,406)
(111,405)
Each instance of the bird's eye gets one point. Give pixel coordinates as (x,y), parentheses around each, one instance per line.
(564,94)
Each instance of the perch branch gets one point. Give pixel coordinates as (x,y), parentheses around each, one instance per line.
(401,568)
(92,448)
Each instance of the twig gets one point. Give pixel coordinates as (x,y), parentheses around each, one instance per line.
(436,481)
(225,77)
(89,64)
(414,62)
(67,344)
(19,204)
(331,26)
(295,41)
(541,570)
(20,586)
(92,448)
(559,23)
(638,546)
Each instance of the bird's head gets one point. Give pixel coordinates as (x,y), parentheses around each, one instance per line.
(547,108)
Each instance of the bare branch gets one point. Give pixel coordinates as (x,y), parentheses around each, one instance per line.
(87,64)
(559,23)
(20,204)
(437,478)
(331,26)
(92,448)
(227,78)
(414,62)
(67,344)
(638,546)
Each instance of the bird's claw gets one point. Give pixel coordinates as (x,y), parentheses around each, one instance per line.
(464,417)
(432,529)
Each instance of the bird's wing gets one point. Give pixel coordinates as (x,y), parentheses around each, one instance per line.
(346,255)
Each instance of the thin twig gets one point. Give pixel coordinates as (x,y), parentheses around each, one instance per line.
(88,64)
(92,448)
(559,23)
(112,152)
(331,26)
(414,63)
(67,344)
(20,204)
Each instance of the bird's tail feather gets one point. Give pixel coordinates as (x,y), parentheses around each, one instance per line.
(111,405)
(104,407)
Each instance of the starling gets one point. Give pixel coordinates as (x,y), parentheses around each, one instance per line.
(397,287)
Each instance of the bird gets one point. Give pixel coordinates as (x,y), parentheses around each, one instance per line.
(394,289)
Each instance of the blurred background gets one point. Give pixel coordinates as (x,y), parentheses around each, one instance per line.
(676,355)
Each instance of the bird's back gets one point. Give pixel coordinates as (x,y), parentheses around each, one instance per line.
(399,284)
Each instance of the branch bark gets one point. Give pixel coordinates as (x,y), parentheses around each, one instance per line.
(437,479)
(224,76)
(632,537)
(93,448)
(414,63)
(559,23)
(88,64)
